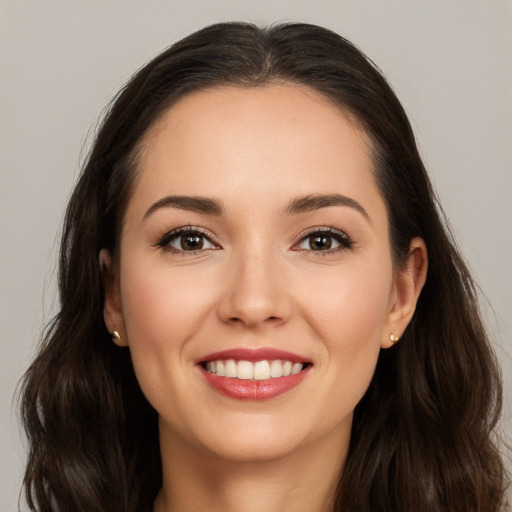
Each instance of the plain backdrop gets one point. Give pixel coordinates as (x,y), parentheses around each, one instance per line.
(449,61)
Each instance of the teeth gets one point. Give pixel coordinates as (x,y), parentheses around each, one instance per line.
(230,368)
(246,370)
(296,368)
(276,369)
(261,370)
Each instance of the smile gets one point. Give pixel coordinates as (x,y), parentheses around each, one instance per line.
(254,374)
(247,370)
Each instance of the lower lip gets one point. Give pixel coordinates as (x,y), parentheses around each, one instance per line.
(254,389)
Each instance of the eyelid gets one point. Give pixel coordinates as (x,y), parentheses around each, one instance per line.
(344,239)
(163,240)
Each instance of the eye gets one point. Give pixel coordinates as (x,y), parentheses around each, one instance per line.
(325,240)
(186,240)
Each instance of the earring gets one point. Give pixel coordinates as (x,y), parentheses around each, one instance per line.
(393,338)
(115,335)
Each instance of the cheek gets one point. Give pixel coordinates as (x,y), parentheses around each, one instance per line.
(162,312)
(348,308)
(348,314)
(160,306)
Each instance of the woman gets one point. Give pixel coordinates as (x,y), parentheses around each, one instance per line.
(261,308)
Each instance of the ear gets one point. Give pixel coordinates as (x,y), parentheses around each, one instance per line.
(112,309)
(408,283)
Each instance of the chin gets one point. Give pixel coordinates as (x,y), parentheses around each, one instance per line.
(255,448)
(267,438)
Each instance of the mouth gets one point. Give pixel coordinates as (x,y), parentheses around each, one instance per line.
(254,374)
(259,370)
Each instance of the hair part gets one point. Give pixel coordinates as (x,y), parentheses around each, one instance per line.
(422,436)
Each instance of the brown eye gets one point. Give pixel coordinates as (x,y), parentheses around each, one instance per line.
(191,242)
(320,242)
(188,240)
(325,240)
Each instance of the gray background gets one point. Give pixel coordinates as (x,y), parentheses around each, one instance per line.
(60,62)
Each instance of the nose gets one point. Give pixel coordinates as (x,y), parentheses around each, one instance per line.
(255,292)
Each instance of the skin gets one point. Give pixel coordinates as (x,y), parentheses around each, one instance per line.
(257,282)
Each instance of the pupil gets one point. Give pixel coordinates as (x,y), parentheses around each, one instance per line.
(191,242)
(320,243)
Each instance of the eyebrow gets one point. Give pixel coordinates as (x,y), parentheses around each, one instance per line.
(299,205)
(190,203)
(317,201)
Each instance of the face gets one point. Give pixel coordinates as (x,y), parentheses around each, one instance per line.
(255,244)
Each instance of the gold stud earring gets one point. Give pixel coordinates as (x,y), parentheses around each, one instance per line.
(116,335)
(393,338)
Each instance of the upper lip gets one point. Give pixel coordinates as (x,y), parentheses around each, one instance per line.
(253,355)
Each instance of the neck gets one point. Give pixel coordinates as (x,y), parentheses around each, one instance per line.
(304,481)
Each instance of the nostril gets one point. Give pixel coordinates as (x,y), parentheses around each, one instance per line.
(249,321)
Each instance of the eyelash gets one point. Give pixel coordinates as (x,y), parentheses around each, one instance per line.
(345,241)
(165,240)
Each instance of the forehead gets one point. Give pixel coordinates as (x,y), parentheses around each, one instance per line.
(252,140)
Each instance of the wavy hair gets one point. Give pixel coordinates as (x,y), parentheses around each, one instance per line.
(423,435)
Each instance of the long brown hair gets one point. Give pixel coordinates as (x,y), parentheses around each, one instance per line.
(423,435)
